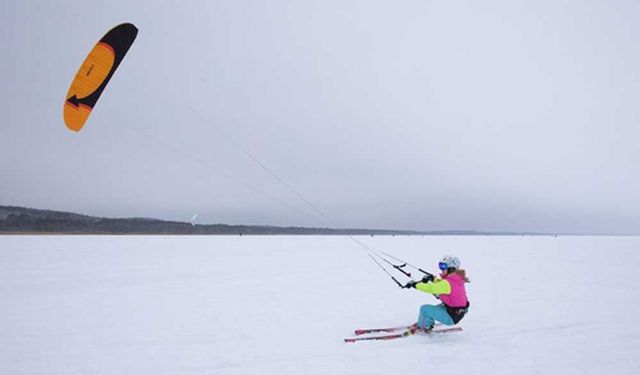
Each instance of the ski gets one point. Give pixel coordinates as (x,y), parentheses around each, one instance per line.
(407,332)
(394,336)
(364,331)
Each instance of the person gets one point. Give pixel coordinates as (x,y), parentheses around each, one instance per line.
(449,288)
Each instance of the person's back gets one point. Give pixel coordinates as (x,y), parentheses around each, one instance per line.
(458,295)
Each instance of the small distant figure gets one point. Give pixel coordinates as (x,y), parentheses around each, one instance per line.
(193,219)
(449,289)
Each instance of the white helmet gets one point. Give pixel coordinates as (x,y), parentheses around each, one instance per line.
(449,261)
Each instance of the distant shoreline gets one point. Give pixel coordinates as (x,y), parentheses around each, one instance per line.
(29,221)
(2,233)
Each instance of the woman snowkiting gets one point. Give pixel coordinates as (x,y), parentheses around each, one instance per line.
(449,288)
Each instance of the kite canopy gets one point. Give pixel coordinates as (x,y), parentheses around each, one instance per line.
(94,74)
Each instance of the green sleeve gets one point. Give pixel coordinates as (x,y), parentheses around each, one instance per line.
(436,287)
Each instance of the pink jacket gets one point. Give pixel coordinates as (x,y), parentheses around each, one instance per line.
(458,295)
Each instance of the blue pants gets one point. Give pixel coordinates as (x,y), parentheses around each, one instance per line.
(429,314)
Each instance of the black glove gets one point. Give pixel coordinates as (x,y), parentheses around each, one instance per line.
(427,278)
(410,284)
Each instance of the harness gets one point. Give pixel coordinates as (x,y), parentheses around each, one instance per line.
(457,313)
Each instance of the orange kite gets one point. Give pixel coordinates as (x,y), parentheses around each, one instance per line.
(94,74)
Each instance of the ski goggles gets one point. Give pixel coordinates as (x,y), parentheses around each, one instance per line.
(443,266)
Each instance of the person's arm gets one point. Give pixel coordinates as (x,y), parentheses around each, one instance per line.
(436,287)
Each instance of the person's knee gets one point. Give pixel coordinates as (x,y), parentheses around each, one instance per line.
(426,309)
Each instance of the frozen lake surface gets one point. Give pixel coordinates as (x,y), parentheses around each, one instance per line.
(282,305)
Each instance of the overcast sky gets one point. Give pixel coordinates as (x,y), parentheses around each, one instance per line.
(486,115)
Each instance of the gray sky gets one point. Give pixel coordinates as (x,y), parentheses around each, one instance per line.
(487,115)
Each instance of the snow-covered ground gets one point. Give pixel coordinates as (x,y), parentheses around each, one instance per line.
(282,305)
